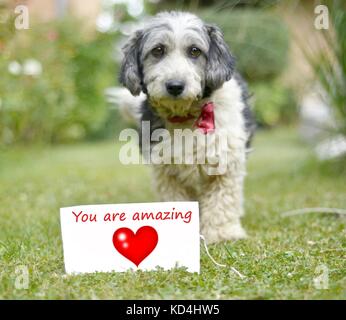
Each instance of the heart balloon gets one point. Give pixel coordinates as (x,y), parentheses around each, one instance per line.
(135,246)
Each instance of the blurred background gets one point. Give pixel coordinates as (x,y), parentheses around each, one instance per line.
(54,74)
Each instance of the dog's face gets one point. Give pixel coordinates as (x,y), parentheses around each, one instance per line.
(175,60)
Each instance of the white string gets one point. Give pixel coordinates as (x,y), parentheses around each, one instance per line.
(211,258)
(219,264)
(241,276)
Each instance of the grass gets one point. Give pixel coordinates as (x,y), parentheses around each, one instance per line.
(280,258)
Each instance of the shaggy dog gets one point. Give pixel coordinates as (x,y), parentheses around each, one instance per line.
(183,74)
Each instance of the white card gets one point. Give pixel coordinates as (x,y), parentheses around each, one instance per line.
(119,237)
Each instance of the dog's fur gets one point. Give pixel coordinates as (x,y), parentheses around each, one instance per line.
(209,77)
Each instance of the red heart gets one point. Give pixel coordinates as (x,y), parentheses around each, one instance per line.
(135,247)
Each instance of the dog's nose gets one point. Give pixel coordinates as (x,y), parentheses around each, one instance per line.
(175,87)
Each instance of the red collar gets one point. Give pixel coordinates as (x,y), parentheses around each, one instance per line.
(205,121)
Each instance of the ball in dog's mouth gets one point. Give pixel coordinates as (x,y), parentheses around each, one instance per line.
(176,110)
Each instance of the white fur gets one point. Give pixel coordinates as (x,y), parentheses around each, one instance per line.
(129,105)
(181,32)
(220,196)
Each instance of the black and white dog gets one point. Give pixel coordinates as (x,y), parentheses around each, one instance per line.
(182,75)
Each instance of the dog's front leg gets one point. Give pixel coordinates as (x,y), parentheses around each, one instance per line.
(221,205)
(167,187)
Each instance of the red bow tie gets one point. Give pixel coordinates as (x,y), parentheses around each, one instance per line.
(206,120)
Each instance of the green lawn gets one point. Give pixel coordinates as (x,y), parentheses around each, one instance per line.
(280,258)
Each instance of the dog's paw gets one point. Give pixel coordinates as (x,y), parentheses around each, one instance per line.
(223,233)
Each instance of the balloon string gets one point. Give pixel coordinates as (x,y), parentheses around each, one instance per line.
(215,262)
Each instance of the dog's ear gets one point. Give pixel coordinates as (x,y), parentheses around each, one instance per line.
(220,65)
(130,71)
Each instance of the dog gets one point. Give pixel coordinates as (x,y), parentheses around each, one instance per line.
(181,75)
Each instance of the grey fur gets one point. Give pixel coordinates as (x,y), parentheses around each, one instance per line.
(130,71)
(221,63)
(250,123)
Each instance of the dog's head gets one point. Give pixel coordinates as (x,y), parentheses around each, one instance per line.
(176,59)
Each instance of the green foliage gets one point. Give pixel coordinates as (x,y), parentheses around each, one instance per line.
(258,40)
(215,4)
(260,43)
(63,102)
(273,104)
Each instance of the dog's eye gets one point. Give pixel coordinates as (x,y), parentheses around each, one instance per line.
(194,52)
(158,51)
